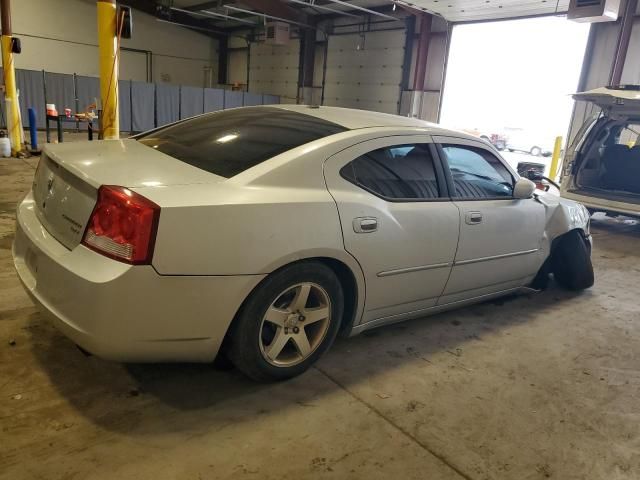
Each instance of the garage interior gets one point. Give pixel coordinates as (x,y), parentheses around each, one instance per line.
(543,385)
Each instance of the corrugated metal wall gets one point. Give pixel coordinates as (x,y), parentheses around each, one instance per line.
(436,61)
(273,69)
(631,72)
(598,69)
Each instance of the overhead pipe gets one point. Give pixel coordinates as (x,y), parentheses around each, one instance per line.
(14,126)
(323,7)
(208,14)
(363,9)
(264,15)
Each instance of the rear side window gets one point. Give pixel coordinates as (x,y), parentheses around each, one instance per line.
(476,173)
(398,172)
(229,142)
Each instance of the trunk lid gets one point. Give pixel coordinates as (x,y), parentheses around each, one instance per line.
(623,101)
(65,186)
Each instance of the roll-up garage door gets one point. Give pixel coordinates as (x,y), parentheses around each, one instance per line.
(368,78)
(273,69)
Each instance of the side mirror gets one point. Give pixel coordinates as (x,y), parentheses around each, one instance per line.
(523,188)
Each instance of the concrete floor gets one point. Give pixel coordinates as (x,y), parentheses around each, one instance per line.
(533,387)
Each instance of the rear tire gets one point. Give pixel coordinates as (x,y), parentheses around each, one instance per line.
(571,262)
(287,323)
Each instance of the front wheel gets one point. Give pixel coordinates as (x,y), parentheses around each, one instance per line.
(571,261)
(288,322)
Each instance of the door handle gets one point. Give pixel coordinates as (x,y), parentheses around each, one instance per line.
(365,224)
(473,218)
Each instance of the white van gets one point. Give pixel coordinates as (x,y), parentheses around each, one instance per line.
(602,166)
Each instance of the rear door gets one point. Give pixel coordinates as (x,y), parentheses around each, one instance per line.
(500,236)
(617,102)
(397,221)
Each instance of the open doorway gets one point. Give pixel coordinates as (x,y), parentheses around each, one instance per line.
(510,82)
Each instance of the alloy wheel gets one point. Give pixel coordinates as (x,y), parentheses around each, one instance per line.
(295,324)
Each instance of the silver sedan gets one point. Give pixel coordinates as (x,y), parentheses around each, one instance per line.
(262,233)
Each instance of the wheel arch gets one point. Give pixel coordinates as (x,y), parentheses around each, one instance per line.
(567,216)
(351,278)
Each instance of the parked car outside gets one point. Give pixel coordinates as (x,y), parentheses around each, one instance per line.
(496,139)
(520,140)
(602,165)
(261,233)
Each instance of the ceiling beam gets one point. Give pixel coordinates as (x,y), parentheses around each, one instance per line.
(276,8)
(384,9)
(203,27)
(204,6)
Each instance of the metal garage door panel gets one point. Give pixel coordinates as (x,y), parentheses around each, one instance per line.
(364,91)
(364,75)
(274,69)
(372,40)
(369,78)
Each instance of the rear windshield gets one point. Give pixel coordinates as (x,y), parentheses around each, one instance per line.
(229,142)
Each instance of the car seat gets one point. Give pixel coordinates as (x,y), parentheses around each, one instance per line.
(616,160)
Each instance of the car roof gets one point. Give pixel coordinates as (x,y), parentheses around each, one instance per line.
(352,119)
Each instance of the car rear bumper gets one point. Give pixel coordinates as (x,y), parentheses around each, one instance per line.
(122,312)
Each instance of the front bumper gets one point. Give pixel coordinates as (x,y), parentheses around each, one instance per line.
(122,312)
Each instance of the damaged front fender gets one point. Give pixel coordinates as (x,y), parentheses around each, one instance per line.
(562,216)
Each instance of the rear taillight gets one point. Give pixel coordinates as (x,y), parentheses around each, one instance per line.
(123,225)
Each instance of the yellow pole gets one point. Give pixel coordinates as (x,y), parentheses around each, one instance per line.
(555,159)
(10,92)
(108,46)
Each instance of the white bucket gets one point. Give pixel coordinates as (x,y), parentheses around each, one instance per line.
(5,147)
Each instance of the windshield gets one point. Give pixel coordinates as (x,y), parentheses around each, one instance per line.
(229,142)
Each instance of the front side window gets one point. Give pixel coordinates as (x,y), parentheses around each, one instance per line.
(476,173)
(397,172)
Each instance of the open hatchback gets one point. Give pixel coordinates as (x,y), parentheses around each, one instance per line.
(602,166)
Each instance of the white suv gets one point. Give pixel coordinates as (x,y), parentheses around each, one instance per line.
(602,166)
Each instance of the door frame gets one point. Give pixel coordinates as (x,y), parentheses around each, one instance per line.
(392,139)
(439,140)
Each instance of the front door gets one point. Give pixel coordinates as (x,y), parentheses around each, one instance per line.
(397,221)
(500,236)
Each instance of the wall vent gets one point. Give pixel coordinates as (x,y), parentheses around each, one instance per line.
(276,33)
